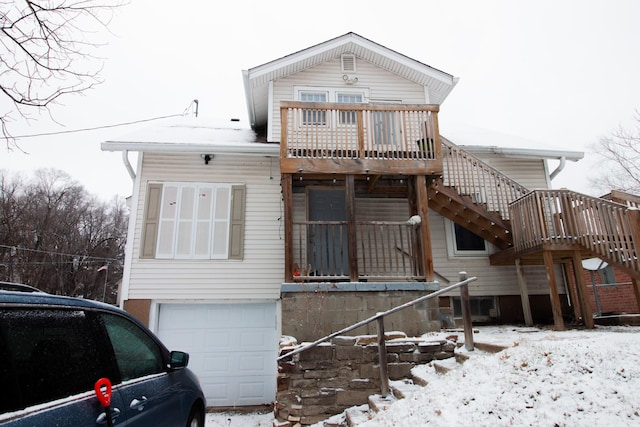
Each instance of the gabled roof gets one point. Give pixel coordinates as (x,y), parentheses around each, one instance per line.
(256,79)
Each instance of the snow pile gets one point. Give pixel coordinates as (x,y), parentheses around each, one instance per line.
(543,378)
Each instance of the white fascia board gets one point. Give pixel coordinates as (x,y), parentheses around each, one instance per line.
(573,156)
(158,147)
(249,98)
(352,38)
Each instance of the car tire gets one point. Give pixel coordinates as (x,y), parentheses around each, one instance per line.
(196,417)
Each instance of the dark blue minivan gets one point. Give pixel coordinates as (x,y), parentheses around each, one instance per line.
(54,349)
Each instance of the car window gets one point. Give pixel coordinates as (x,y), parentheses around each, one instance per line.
(47,354)
(136,352)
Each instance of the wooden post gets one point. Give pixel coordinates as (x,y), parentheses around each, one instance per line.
(524,293)
(382,358)
(352,244)
(422,205)
(360,125)
(634,220)
(466,313)
(287,200)
(572,289)
(581,289)
(636,290)
(556,308)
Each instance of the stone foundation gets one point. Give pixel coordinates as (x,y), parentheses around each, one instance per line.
(311,311)
(326,380)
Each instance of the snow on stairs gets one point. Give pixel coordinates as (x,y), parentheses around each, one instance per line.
(403,389)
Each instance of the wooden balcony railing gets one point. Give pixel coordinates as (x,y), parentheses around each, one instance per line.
(562,217)
(385,251)
(483,183)
(363,132)
(631,200)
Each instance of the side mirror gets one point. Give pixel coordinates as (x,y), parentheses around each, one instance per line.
(179,360)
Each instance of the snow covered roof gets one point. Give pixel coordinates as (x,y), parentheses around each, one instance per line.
(188,134)
(484,141)
(256,79)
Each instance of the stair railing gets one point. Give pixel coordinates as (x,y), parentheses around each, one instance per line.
(379,318)
(473,177)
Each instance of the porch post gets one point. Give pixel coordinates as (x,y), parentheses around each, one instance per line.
(556,308)
(572,288)
(634,220)
(287,200)
(422,205)
(581,289)
(524,293)
(352,244)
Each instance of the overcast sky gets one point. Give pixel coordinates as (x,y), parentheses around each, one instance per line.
(560,74)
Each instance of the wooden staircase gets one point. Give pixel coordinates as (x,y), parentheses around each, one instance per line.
(537,227)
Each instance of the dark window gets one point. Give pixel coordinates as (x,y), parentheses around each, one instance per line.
(136,352)
(47,354)
(468,241)
(607,275)
(481,307)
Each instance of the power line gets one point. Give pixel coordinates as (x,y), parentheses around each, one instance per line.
(91,128)
(84,257)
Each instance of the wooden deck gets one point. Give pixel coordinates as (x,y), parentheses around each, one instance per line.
(363,139)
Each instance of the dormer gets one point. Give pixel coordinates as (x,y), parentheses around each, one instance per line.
(349,68)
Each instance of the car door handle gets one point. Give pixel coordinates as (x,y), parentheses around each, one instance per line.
(138,403)
(102,418)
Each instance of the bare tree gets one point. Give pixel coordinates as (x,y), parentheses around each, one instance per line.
(55,236)
(620,151)
(47,50)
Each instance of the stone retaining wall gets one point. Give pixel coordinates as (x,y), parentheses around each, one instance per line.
(332,377)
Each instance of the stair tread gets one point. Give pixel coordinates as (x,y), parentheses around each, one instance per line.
(379,403)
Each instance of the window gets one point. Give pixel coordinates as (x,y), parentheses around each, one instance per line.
(329,94)
(482,308)
(462,242)
(314,117)
(193,221)
(607,275)
(136,353)
(47,354)
(348,117)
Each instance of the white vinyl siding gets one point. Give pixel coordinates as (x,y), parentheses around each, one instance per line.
(382,86)
(256,274)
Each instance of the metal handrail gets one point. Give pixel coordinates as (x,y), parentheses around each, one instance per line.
(377,316)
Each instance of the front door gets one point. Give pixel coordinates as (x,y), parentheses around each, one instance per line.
(327,248)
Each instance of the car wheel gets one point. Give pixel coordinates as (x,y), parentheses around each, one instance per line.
(196,417)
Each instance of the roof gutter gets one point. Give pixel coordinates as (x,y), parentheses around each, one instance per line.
(563,162)
(127,164)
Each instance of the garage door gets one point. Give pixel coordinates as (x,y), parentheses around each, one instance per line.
(232,348)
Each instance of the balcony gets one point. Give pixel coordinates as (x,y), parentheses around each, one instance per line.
(362,139)
(384,251)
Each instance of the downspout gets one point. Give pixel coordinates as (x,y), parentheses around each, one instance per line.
(563,162)
(127,165)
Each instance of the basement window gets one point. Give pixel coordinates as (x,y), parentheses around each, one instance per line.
(482,308)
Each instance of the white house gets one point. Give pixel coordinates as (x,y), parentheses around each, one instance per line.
(297,223)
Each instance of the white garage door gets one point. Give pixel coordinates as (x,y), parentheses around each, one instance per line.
(232,348)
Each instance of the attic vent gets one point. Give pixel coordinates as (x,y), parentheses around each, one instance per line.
(348,63)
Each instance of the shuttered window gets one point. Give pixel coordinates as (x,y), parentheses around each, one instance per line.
(194,221)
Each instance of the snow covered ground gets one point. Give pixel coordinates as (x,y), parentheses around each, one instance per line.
(544,378)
